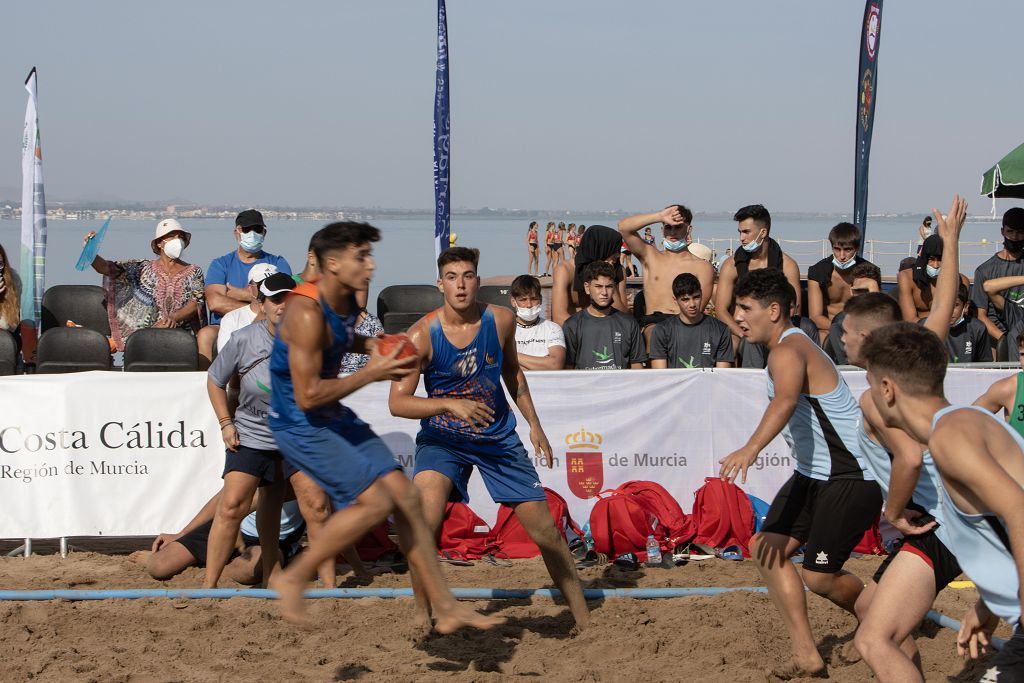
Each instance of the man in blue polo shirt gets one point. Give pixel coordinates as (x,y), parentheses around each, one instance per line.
(227,286)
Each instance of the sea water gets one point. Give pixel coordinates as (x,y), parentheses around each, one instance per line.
(405,255)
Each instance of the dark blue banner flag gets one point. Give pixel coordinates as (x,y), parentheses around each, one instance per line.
(442,135)
(867,86)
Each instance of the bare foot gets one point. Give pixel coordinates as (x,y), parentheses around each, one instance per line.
(455,617)
(140,556)
(793,670)
(290,591)
(848,654)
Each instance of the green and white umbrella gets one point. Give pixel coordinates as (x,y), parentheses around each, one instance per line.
(1006,178)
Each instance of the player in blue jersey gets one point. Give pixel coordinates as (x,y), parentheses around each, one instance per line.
(466,349)
(326,440)
(831,500)
(980,464)
(906,584)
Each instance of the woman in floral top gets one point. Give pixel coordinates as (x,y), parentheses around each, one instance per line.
(367,325)
(162,292)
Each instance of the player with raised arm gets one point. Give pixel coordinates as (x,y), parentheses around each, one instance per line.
(466,349)
(831,499)
(325,439)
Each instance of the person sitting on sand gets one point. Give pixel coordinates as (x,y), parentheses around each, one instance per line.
(160,292)
(662,267)
(599,243)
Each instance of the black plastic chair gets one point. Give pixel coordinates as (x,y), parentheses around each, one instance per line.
(161,350)
(496,295)
(85,305)
(72,349)
(827,348)
(1003,349)
(399,306)
(8,353)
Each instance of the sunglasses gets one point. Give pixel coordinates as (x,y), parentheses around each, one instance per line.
(254,228)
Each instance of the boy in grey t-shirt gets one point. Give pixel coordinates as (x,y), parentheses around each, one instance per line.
(600,337)
(690,339)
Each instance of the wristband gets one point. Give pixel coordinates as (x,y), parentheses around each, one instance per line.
(227,424)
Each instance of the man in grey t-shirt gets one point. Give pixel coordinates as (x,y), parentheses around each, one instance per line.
(690,339)
(1008,261)
(600,337)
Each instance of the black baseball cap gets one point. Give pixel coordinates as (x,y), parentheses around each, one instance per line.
(250,218)
(275,284)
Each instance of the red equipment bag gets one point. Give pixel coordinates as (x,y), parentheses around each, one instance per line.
(723,515)
(510,539)
(674,527)
(620,524)
(375,543)
(463,533)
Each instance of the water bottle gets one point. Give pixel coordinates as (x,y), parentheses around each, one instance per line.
(653,552)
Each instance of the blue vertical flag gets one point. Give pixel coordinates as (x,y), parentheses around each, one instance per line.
(867,73)
(442,137)
(33,212)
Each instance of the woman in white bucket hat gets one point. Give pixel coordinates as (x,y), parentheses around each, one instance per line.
(160,292)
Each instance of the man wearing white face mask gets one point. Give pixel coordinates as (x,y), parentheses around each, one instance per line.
(227,283)
(540,343)
(830,280)
(661,267)
(162,292)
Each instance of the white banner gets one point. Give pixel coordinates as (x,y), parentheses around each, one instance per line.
(106,453)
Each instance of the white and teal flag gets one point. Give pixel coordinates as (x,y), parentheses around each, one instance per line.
(33,212)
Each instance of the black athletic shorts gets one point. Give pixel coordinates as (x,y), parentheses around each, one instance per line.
(196,541)
(929,548)
(654,318)
(1008,664)
(828,517)
(258,463)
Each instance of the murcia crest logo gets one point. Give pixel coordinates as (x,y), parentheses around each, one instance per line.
(584,467)
(867,96)
(874,25)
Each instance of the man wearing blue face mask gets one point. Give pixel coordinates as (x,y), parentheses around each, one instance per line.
(967,340)
(917,284)
(830,280)
(661,267)
(227,280)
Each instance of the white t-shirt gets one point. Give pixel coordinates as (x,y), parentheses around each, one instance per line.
(537,339)
(235,320)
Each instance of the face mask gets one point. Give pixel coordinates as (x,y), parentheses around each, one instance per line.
(672,245)
(251,241)
(529,314)
(1014,246)
(843,266)
(958,320)
(172,248)
(752,247)
(932,271)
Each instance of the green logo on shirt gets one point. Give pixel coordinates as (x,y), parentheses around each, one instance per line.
(602,356)
(683,363)
(263,386)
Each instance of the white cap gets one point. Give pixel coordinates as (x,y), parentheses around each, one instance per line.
(699,250)
(261,271)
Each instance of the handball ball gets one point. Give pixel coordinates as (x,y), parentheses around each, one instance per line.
(387,344)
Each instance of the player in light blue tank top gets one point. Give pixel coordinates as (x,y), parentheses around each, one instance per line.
(979,472)
(329,443)
(467,349)
(830,501)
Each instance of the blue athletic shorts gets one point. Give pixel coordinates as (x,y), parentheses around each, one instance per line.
(505,466)
(344,457)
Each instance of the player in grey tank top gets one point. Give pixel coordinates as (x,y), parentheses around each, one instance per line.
(980,467)
(830,501)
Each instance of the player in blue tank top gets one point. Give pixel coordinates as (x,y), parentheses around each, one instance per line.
(903,589)
(980,464)
(467,349)
(830,501)
(328,442)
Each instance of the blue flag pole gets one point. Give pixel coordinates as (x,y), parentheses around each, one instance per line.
(442,136)
(867,75)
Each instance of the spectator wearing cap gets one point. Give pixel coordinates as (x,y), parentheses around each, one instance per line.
(160,292)
(227,279)
(1007,262)
(917,284)
(240,317)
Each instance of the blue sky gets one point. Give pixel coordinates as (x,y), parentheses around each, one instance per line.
(584,104)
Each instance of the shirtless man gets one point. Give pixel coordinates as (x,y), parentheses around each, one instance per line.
(980,465)
(466,351)
(662,267)
(830,280)
(831,499)
(917,284)
(325,439)
(757,250)
(568,295)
